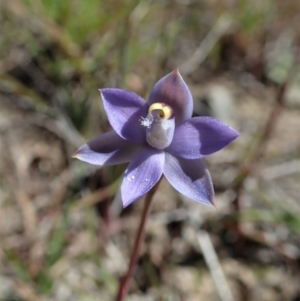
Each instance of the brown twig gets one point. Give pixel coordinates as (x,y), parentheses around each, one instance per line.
(258,152)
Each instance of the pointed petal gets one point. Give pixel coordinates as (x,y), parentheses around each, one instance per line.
(124,110)
(142,174)
(190,177)
(107,149)
(173,91)
(201,136)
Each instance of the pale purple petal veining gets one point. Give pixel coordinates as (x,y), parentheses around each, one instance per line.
(124,110)
(201,136)
(107,149)
(173,91)
(190,177)
(142,174)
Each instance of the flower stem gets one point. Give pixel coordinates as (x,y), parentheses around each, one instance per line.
(123,287)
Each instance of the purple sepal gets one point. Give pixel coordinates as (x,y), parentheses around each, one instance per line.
(201,136)
(124,110)
(190,177)
(173,91)
(107,149)
(142,174)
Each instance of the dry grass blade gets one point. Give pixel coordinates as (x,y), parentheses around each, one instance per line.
(29,213)
(15,86)
(94,198)
(214,266)
(26,292)
(56,33)
(206,45)
(281,170)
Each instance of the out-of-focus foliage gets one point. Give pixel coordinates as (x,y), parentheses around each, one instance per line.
(59,237)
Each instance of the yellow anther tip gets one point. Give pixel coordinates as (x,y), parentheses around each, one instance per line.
(155,106)
(166,111)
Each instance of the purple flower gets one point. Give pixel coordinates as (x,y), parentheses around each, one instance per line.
(158,137)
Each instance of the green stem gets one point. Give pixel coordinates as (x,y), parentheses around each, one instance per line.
(123,287)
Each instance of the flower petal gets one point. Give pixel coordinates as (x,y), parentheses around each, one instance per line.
(173,91)
(190,177)
(142,174)
(201,136)
(107,149)
(124,110)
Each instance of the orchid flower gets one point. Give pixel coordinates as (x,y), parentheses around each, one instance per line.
(158,137)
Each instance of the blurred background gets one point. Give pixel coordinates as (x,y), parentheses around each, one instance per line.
(63,233)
